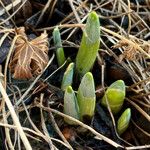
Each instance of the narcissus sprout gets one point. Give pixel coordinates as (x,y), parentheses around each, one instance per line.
(123,121)
(59,49)
(115,95)
(89,45)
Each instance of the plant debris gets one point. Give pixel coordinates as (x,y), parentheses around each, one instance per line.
(31,76)
(30,57)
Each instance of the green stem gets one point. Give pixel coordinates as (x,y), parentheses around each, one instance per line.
(89,45)
(59,51)
(70,105)
(86,97)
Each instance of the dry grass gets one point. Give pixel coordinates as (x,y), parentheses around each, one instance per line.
(125,27)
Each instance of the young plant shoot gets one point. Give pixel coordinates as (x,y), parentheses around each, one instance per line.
(58,44)
(70,105)
(114,95)
(86,97)
(89,45)
(123,121)
(68,77)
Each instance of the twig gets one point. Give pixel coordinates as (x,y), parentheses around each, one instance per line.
(43,11)
(34,82)
(54,124)
(14,12)
(15,118)
(7,133)
(9,7)
(81,124)
(144,132)
(139,109)
(74,11)
(138,147)
(33,132)
(44,126)
(129,17)
(104,29)
(125,39)
(8,13)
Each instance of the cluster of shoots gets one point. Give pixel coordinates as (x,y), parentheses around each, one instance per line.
(85,101)
(114,98)
(81,105)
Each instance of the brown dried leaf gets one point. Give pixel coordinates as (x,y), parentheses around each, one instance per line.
(30,57)
(130,51)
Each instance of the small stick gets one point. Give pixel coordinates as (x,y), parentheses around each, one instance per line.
(15,118)
(139,109)
(54,124)
(9,7)
(111,142)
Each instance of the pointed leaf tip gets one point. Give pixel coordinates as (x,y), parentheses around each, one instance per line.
(119,84)
(70,105)
(69,89)
(87,85)
(93,15)
(86,96)
(88,76)
(115,94)
(123,121)
(89,45)
(58,44)
(56,28)
(68,76)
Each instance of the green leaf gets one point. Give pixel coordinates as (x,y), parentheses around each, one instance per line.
(89,45)
(58,44)
(123,121)
(68,77)
(86,96)
(70,105)
(115,95)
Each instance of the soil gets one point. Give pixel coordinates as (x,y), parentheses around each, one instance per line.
(124,54)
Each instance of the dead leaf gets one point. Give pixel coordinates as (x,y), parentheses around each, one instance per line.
(69,133)
(130,51)
(30,57)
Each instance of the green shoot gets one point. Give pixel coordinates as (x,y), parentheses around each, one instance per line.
(86,97)
(115,95)
(89,45)
(58,44)
(68,77)
(70,105)
(123,121)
